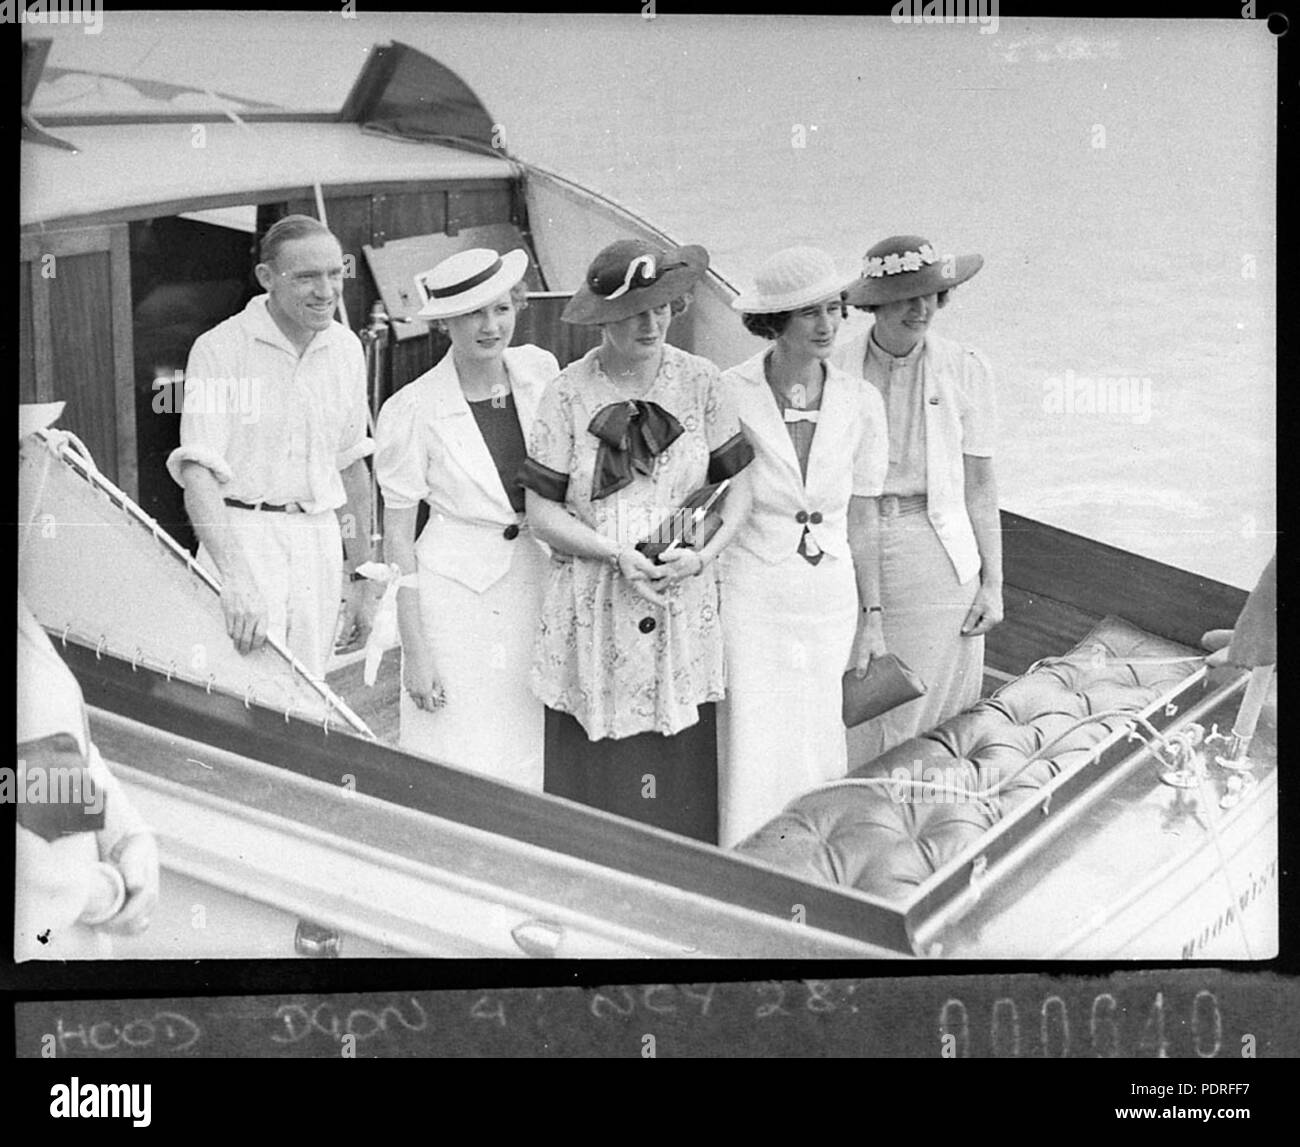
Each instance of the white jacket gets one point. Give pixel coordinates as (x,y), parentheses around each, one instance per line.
(428,448)
(957,388)
(849,455)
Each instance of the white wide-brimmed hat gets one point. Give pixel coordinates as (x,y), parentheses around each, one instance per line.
(468,280)
(793,278)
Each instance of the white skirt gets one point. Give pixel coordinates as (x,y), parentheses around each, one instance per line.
(482,647)
(789,631)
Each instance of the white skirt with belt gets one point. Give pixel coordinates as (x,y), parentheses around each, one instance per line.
(789,630)
(482,646)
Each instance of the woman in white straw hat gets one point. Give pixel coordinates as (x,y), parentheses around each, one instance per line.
(940,533)
(455,438)
(800,583)
(630,653)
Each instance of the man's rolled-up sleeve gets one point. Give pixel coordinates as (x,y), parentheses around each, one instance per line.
(205,422)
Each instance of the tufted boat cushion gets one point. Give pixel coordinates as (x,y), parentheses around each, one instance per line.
(887,838)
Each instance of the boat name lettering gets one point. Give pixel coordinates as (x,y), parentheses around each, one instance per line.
(1246,896)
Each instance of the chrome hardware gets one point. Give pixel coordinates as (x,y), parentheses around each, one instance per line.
(538,938)
(1186,765)
(316,940)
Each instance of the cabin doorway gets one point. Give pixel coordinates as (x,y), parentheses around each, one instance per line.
(188,273)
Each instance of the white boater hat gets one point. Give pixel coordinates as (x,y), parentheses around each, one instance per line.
(793,278)
(468,280)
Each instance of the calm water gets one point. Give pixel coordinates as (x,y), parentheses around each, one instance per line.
(1118,177)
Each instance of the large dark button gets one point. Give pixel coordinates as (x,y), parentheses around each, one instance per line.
(815,517)
(510,532)
(647,625)
(801,517)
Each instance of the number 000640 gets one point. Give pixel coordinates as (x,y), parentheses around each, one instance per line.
(1106,1028)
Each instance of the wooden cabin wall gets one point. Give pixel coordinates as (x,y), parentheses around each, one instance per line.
(383,212)
(540,324)
(75,339)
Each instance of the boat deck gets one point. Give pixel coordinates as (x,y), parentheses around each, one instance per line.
(378,705)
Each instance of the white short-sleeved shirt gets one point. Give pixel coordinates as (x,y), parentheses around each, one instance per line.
(271,425)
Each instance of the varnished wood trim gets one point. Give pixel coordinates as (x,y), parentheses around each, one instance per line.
(128,467)
(251,198)
(42,340)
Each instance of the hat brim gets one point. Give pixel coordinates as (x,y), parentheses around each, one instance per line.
(587,308)
(943,274)
(756,304)
(514,265)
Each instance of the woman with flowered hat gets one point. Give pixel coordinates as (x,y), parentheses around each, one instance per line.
(801,589)
(940,534)
(629,658)
(455,438)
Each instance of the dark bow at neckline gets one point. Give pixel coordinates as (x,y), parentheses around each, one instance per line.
(632,434)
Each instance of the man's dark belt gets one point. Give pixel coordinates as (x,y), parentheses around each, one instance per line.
(287,508)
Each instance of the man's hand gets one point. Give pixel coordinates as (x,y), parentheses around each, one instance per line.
(245,611)
(985,611)
(136,857)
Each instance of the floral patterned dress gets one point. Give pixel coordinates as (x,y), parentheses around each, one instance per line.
(618,664)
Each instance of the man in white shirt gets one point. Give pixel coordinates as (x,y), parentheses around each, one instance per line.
(273,442)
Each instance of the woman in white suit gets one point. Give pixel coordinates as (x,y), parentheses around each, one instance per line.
(455,438)
(800,602)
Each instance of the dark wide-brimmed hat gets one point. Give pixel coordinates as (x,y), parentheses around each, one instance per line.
(906,266)
(630,276)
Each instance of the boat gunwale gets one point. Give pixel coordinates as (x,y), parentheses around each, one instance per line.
(1018,838)
(395,857)
(480,802)
(1007,843)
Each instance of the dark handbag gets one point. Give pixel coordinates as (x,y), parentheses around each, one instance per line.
(691,526)
(888,683)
